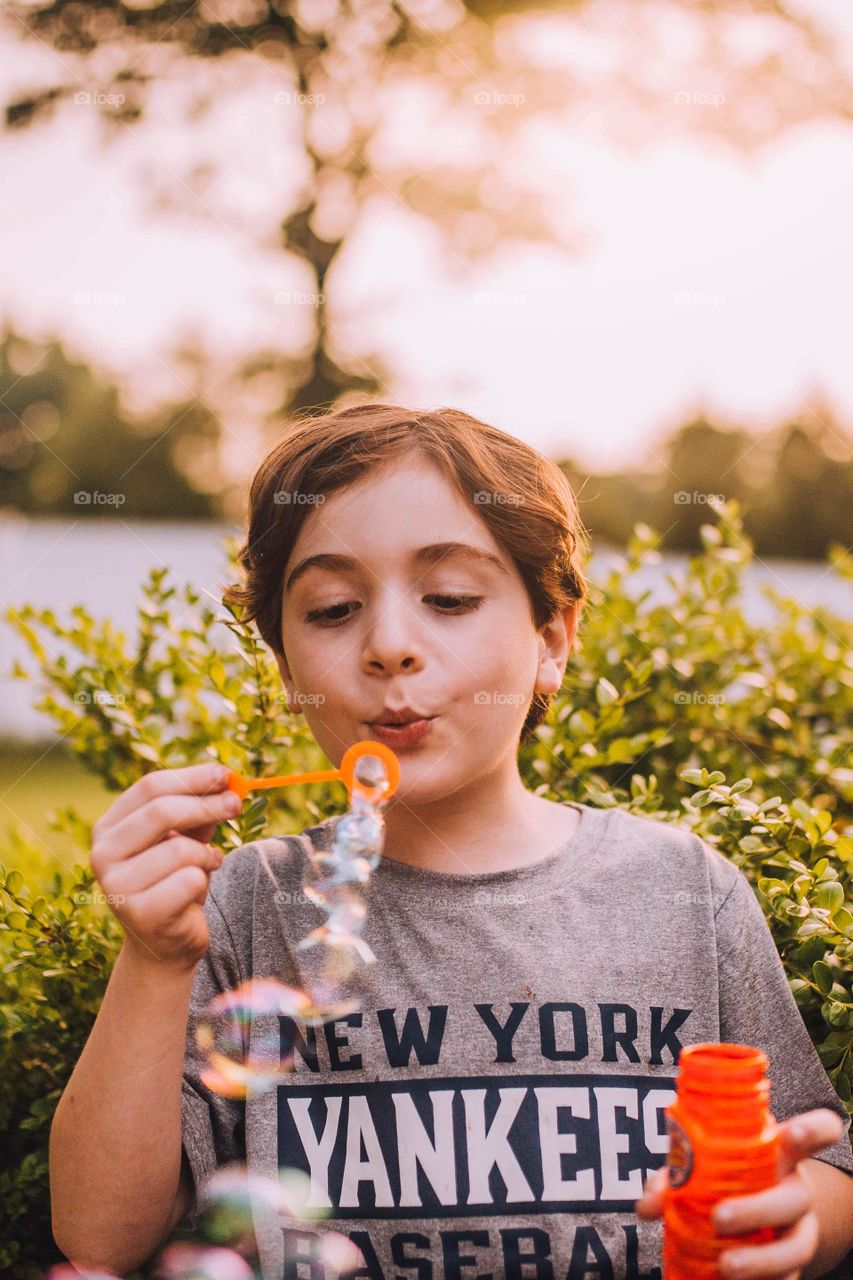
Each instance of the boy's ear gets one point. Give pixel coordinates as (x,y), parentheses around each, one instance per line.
(284,671)
(287,678)
(557,639)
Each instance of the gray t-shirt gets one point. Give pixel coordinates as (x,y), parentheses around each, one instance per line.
(496,1104)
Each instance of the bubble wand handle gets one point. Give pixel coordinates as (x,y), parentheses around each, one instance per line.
(346,774)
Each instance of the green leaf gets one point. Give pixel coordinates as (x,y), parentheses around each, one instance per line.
(620,751)
(831,896)
(15,883)
(605,693)
(822,976)
(843,921)
(839,1014)
(813,949)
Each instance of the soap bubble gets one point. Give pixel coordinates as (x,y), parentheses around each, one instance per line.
(230,1197)
(339,1253)
(242,1056)
(370,771)
(186,1261)
(329,1254)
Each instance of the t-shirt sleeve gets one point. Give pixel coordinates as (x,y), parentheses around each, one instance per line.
(212,1126)
(757,1007)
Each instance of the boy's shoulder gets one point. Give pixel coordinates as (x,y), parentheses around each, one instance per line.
(652,846)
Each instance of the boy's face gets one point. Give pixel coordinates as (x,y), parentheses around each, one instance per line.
(393,639)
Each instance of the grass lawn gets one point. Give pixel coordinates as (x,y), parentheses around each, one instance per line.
(35,779)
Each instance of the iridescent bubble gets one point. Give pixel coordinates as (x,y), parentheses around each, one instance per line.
(186,1261)
(339,1253)
(241,1055)
(231,1197)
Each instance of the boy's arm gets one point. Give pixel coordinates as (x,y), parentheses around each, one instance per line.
(115,1141)
(833,1206)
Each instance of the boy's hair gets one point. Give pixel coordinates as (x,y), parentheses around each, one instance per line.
(523,497)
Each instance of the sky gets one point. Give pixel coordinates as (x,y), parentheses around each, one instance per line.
(709,280)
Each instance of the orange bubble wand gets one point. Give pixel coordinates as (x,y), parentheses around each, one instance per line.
(346,774)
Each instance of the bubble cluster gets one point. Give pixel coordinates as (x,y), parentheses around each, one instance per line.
(240,1036)
(246,1050)
(239,1031)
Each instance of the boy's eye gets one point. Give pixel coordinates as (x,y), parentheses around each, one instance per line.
(332,616)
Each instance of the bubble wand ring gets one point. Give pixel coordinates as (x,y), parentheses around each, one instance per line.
(346,773)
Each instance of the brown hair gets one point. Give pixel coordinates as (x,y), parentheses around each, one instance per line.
(530,507)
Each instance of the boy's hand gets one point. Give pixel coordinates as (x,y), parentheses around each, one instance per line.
(151,857)
(789,1204)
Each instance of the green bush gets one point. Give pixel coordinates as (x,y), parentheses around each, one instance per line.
(675,710)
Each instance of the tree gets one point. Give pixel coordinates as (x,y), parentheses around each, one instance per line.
(342,66)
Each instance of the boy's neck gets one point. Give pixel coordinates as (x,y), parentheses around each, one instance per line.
(477,830)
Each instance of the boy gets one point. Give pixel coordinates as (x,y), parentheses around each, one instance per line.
(495,1106)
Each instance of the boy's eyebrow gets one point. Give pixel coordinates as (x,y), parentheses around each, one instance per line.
(424,555)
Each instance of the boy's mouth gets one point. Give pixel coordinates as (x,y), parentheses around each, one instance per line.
(400,716)
(399,736)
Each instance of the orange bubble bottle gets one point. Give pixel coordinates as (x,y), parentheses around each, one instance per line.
(723,1141)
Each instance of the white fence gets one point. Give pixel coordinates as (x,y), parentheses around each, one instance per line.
(101,564)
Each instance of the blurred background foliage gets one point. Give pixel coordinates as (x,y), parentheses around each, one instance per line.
(63,430)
